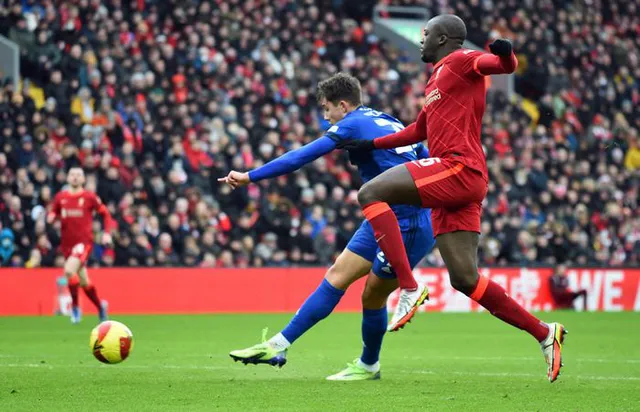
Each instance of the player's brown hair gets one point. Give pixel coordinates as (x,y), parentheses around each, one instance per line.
(340,86)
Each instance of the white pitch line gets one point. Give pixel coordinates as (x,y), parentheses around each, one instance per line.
(525,358)
(99,366)
(448,358)
(520,375)
(409,372)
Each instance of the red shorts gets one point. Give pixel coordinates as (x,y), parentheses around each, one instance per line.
(453,191)
(81,251)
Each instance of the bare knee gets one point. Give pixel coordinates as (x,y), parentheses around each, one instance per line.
(367,194)
(69,270)
(373,298)
(376,291)
(464,282)
(339,279)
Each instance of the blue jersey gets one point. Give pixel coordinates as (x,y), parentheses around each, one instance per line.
(366,123)
(362,123)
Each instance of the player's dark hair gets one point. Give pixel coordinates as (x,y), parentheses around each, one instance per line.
(340,86)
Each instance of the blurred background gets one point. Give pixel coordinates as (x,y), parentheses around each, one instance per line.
(155,99)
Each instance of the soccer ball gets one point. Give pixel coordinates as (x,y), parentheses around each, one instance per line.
(111,342)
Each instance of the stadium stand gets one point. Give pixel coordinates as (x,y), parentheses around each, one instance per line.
(156,99)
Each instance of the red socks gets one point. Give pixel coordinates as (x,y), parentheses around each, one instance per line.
(89,290)
(495,299)
(91,293)
(389,238)
(73,290)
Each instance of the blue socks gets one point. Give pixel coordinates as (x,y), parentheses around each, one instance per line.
(317,307)
(374,326)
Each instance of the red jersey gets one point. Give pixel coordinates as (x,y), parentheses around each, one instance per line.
(451,117)
(76,214)
(454,105)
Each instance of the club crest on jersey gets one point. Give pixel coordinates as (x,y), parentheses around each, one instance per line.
(432,97)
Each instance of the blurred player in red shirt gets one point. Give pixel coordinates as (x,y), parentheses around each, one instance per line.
(454,181)
(562,295)
(74,207)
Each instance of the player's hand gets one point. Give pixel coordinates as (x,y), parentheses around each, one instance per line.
(501,47)
(107,239)
(236,179)
(51,218)
(356,145)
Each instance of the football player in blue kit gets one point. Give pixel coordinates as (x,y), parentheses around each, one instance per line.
(341,99)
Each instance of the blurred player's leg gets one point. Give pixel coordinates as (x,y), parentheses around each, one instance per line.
(395,186)
(374,326)
(73,283)
(71,267)
(459,252)
(348,268)
(92,293)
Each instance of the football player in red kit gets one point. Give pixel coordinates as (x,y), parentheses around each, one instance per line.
(454,181)
(74,207)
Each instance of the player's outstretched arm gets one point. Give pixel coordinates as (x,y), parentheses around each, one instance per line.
(501,61)
(287,163)
(416,132)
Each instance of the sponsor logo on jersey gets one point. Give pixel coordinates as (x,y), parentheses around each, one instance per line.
(72,212)
(433,96)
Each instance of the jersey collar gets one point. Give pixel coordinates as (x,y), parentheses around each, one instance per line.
(445,59)
(354,110)
(78,193)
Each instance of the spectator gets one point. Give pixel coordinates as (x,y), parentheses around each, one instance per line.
(35,260)
(166,254)
(267,248)
(324,245)
(7,246)
(157,102)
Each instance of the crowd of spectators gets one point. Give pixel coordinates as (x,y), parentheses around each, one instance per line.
(155,99)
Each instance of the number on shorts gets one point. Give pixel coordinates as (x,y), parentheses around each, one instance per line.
(78,249)
(427,162)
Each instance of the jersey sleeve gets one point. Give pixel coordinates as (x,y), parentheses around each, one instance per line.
(342,131)
(101,209)
(54,210)
(463,63)
(416,132)
(470,63)
(293,160)
(97,202)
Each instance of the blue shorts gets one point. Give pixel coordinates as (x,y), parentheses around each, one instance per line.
(418,241)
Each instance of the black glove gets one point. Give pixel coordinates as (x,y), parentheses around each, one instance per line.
(501,47)
(356,145)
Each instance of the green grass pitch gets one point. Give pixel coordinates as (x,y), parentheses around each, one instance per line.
(456,362)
